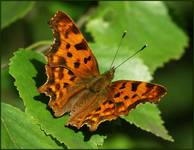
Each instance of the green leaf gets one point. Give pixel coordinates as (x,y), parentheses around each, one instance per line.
(118,141)
(20,131)
(139,72)
(146,22)
(147,117)
(6,141)
(22,69)
(14,10)
(97,141)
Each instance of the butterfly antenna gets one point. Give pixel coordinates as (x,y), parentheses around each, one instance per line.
(124,33)
(132,55)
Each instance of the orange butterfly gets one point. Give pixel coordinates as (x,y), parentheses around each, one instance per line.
(75,84)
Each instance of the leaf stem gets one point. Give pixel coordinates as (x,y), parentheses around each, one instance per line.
(38,44)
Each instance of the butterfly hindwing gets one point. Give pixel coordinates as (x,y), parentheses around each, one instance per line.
(125,95)
(60,81)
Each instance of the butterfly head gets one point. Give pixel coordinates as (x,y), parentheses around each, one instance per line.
(110,74)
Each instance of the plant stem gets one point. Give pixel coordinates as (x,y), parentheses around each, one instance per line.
(43,44)
(38,44)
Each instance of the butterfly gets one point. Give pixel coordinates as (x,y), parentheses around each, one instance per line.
(75,85)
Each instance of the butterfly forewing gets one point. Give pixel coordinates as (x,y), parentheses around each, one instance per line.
(70,49)
(71,64)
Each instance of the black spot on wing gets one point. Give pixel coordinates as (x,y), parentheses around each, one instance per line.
(110,102)
(134,86)
(117,95)
(68,46)
(86,59)
(82,45)
(74,29)
(70,73)
(148,85)
(118,104)
(135,95)
(69,54)
(89,58)
(99,108)
(76,64)
(126,97)
(72,78)
(123,85)
(65,84)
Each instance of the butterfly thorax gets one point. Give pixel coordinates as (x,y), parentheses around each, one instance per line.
(103,81)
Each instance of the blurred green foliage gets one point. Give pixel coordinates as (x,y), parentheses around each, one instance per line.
(104,22)
(9,16)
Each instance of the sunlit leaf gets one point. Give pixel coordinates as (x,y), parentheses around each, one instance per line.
(19,130)
(147,117)
(145,22)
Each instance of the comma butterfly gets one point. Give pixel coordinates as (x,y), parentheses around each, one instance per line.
(75,84)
